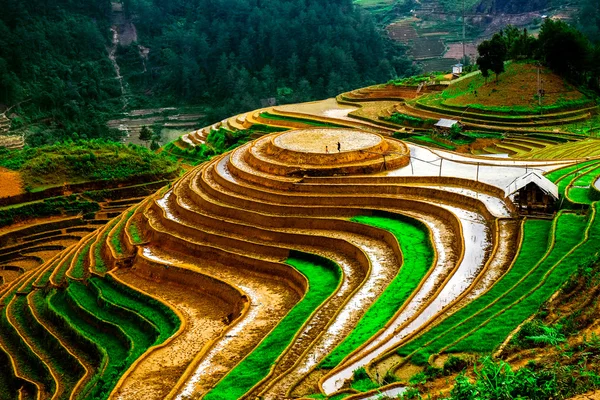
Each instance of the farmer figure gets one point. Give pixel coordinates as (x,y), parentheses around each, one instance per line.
(327,149)
(339,147)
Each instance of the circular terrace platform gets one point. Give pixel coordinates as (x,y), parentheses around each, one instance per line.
(319,147)
(316,140)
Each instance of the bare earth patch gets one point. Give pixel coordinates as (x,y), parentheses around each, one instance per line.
(11,183)
(154,377)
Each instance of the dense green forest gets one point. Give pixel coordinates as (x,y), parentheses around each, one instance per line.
(53,59)
(227,54)
(235,52)
(588,19)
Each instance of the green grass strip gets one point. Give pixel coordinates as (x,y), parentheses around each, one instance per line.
(588,178)
(561,173)
(579,191)
(276,117)
(134,231)
(138,331)
(9,384)
(151,309)
(564,182)
(580,195)
(486,338)
(140,335)
(418,256)
(428,139)
(100,265)
(28,364)
(569,232)
(47,346)
(116,352)
(323,277)
(535,237)
(44,278)
(62,268)
(86,349)
(78,271)
(117,235)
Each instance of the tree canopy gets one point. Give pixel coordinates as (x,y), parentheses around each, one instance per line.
(492,54)
(226,54)
(559,46)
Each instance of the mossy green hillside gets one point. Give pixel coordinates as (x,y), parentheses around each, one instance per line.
(83,161)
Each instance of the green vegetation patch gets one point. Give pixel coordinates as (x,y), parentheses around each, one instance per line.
(62,268)
(514,93)
(100,266)
(153,310)
(361,381)
(417,252)
(67,367)
(29,365)
(484,135)
(134,231)
(52,206)
(536,234)
(564,181)
(580,190)
(581,195)
(323,277)
(9,384)
(117,234)
(83,161)
(561,173)
(499,326)
(114,352)
(218,142)
(409,120)
(429,140)
(78,272)
(496,379)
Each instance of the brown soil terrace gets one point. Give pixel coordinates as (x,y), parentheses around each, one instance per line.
(212,246)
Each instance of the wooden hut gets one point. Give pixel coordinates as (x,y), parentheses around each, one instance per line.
(443,126)
(533,193)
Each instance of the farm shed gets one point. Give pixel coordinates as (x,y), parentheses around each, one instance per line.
(533,192)
(444,125)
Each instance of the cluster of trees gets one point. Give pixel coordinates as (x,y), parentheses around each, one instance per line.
(53,61)
(226,53)
(588,19)
(558,46)
(236,52)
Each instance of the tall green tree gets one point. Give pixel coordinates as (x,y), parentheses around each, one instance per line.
(564,49)
(145,134)
(492,54)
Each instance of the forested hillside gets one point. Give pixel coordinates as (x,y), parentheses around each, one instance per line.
(227,54)
(53,59)
(207,50)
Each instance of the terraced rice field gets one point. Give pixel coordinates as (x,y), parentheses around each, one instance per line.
(290,267)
